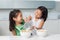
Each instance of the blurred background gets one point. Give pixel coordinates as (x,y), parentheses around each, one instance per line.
(28,7)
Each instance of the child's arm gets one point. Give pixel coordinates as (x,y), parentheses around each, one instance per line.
(14,33)
(40,25)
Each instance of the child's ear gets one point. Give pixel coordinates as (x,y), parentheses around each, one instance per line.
(14,18)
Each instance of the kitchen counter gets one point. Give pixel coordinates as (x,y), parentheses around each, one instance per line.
(51,37)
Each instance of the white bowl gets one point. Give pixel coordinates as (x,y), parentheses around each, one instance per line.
(25,33)
(42,33)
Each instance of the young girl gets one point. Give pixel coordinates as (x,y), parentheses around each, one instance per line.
(16,22)
(40,17)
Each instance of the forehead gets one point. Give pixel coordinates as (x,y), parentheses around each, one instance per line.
(38,10)
(19,13)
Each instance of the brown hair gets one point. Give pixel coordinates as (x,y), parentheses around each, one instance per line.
(12,14)
(44,12)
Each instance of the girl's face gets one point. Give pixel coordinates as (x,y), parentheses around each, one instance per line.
(18,18)
(38,13)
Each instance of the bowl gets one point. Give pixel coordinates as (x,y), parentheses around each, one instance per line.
(42,33)
(25,33)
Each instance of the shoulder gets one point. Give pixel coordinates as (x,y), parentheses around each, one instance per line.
(41,20)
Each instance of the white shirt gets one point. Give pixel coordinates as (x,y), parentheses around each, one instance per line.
(36,23)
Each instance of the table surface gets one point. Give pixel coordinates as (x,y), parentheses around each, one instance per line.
(51,37)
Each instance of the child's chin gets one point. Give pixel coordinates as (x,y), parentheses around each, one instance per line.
(20,21)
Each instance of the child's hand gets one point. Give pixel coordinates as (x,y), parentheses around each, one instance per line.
(27,19)
(33,27)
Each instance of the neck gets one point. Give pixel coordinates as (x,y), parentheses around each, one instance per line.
(18,23)
(36,18)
